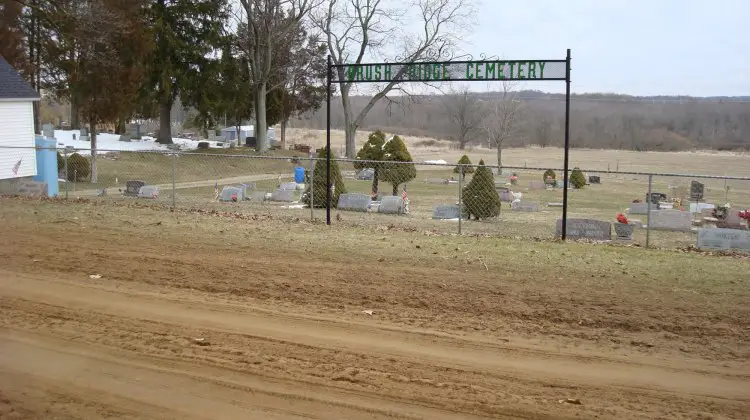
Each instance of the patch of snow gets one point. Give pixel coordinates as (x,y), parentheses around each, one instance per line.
(106,142)
(436,162)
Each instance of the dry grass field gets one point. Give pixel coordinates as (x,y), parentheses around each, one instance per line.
(129,311)
(702,162)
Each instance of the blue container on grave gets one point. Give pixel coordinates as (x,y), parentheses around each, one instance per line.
(46,164)
(299,175)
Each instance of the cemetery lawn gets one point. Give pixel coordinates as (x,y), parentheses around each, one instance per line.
(139,312)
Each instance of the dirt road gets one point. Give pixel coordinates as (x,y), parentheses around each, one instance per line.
(145,341)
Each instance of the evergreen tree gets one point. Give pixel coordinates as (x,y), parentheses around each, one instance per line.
(480,198)
(318,183)
(186,34)
(394,150)
(372,150)
(577,179)
(301,88)
(464,161)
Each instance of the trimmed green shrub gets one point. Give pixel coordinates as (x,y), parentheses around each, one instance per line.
(480,197)
(464,161)
(319,182)
(79,167)
(577,179)
(372,150)
(60,162)
(395,150)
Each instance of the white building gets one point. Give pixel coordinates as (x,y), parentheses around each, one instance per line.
(230,133)
(17,138)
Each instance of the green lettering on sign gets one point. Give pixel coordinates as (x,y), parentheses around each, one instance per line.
(532,70)
(461,70)
(489,70)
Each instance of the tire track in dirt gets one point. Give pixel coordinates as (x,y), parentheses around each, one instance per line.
(443,353)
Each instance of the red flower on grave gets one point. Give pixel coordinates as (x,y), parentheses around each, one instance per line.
(621,218)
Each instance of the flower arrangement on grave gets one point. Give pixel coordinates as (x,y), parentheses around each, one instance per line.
(745,215)
(623,229)
(721,212)
(514,179)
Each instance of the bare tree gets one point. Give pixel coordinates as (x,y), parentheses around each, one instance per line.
(465,112)
(542,128)
(503,122)
(271,24)
(360,29)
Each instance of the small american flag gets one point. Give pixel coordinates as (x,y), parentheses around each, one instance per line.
(17,166)
(404,195)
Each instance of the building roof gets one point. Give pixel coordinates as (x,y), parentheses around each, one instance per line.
(12,85)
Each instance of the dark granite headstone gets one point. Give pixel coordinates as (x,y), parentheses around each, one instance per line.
(445,211)
(586,229)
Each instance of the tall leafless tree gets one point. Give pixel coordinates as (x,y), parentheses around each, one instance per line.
(270,25)
(466,114)
(361,30)
(504,120)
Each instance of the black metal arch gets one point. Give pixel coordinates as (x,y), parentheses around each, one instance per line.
(485,69)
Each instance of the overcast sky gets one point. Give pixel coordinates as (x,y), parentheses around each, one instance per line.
(636,47)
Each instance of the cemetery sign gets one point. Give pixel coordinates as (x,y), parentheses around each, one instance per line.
(415,70)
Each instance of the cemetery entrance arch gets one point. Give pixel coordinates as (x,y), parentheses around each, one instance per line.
(449,71)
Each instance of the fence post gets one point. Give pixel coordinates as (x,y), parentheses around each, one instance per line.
(67,178)
(174,170)
(312,188)
(460,196)
(726,191)
(648,211)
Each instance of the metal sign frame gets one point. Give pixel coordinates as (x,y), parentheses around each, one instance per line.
(446,71)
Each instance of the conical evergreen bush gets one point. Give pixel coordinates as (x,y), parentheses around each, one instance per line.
(396,174)
(480,197)
(464,161)
(318,183)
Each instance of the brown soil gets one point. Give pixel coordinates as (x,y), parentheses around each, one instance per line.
(188,325)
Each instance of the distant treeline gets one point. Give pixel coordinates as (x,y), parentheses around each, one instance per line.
(603,121)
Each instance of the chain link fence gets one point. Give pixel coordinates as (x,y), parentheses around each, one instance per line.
(518,202)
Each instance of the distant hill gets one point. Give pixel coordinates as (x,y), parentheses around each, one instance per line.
(598,120)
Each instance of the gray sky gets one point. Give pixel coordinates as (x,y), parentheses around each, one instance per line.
(636,47)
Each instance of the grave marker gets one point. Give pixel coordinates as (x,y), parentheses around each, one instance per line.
(125,138)
(593,179)
(671,220)
(586,229)
(445,211)
(696,191)
(366,174)
(288,186)
(133,187)
(507,196)
(391,204)
(354,202)
(148,191)
(257,196)
(537,185)
(286,196)
(723,239)
(229,191)
(525,206)
(640,208)
(732,221)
